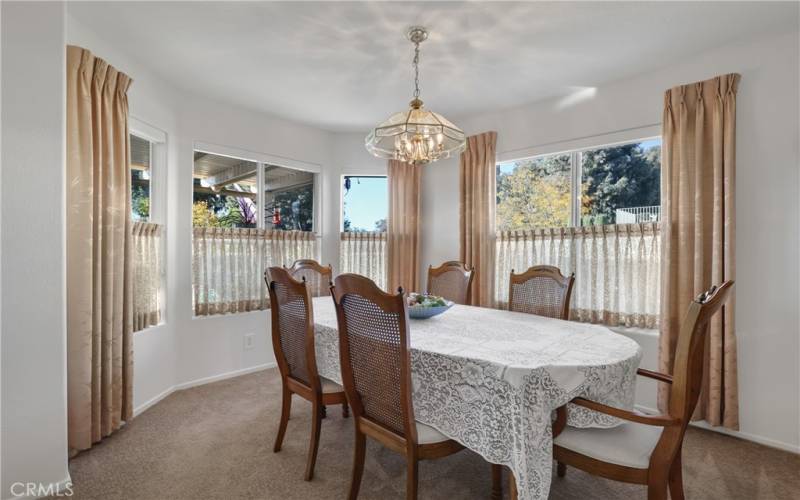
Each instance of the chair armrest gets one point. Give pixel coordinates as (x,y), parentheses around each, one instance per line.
(654,375)
(632,416)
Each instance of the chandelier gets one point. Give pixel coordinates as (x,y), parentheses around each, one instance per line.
(418,135)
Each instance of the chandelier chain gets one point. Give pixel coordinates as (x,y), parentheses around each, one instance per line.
(416,70)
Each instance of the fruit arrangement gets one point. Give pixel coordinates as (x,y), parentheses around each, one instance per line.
(426,300)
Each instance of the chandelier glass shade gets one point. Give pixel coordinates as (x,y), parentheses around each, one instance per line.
(417,135)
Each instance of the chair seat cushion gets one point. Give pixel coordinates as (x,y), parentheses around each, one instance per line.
(629,444)
(329,386)
(428,435)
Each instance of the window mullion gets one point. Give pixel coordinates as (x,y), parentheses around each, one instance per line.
(260,208)
(575,170)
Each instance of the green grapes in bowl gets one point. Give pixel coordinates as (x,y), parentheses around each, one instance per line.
(423,306)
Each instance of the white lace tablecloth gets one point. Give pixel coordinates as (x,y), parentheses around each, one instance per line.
(491,379)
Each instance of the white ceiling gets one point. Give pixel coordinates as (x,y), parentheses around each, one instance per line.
(346,65)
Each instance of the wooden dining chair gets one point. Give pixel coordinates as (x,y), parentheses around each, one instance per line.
(541,290)
(646,449)
(318,277)
(452,280)
(376,371)
(293,342)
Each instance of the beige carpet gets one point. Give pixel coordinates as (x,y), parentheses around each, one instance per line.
(215,442)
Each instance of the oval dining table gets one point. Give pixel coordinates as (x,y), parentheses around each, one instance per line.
(491,380)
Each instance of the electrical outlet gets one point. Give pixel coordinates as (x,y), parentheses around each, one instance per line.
(249,341)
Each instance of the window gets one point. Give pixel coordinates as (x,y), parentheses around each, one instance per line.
(288,199)
(267,212)
(141,171)
(148,174)
(362,246)
(365,203)
(568,210)
(225,191)
(618,184)
(621,184)
(226,194)
(534,193)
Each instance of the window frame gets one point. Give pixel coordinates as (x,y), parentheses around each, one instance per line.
(262,159)
(575,154)
(341,196)
(158,199)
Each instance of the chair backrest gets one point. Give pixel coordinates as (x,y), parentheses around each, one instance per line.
(690,351)
(375,354)
(451,280)
(292,327)
(541,290)
(318,277)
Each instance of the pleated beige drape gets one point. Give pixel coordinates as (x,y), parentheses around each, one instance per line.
(99,250)
(477,219)
(697,182)
(403,228)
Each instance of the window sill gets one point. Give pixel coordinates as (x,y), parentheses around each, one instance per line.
(150,328)
(228,315)
(634,331)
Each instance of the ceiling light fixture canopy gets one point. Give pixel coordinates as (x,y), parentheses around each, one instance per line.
(418,135)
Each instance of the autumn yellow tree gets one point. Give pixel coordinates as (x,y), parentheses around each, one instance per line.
(534,193)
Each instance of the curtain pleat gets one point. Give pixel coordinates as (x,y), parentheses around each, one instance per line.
(364,253)
(477,214)
(403,230)
(616,269)
(228,265)
(99,250)
(697,182)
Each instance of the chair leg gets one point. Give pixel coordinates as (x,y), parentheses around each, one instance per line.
(497,482)
(345,410)
(313,445)
(286,409)
(561,469)
(324,411)
(676,478)
(358,464)
(657,487)
(412,478)
(512,487)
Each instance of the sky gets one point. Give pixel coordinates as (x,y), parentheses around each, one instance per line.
(366,202)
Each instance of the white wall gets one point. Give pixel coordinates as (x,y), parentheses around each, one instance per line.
(34,418)
(767,209)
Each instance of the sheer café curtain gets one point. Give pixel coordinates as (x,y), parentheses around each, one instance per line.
(364,253)
(403,231)
(617,269)
(228,265)
(697,179)
(477,182)
(99,250)
(147,269)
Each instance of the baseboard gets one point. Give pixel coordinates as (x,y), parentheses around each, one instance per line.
(147,404)
(200,381)
(64,487)
(772,443)
(223,376)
